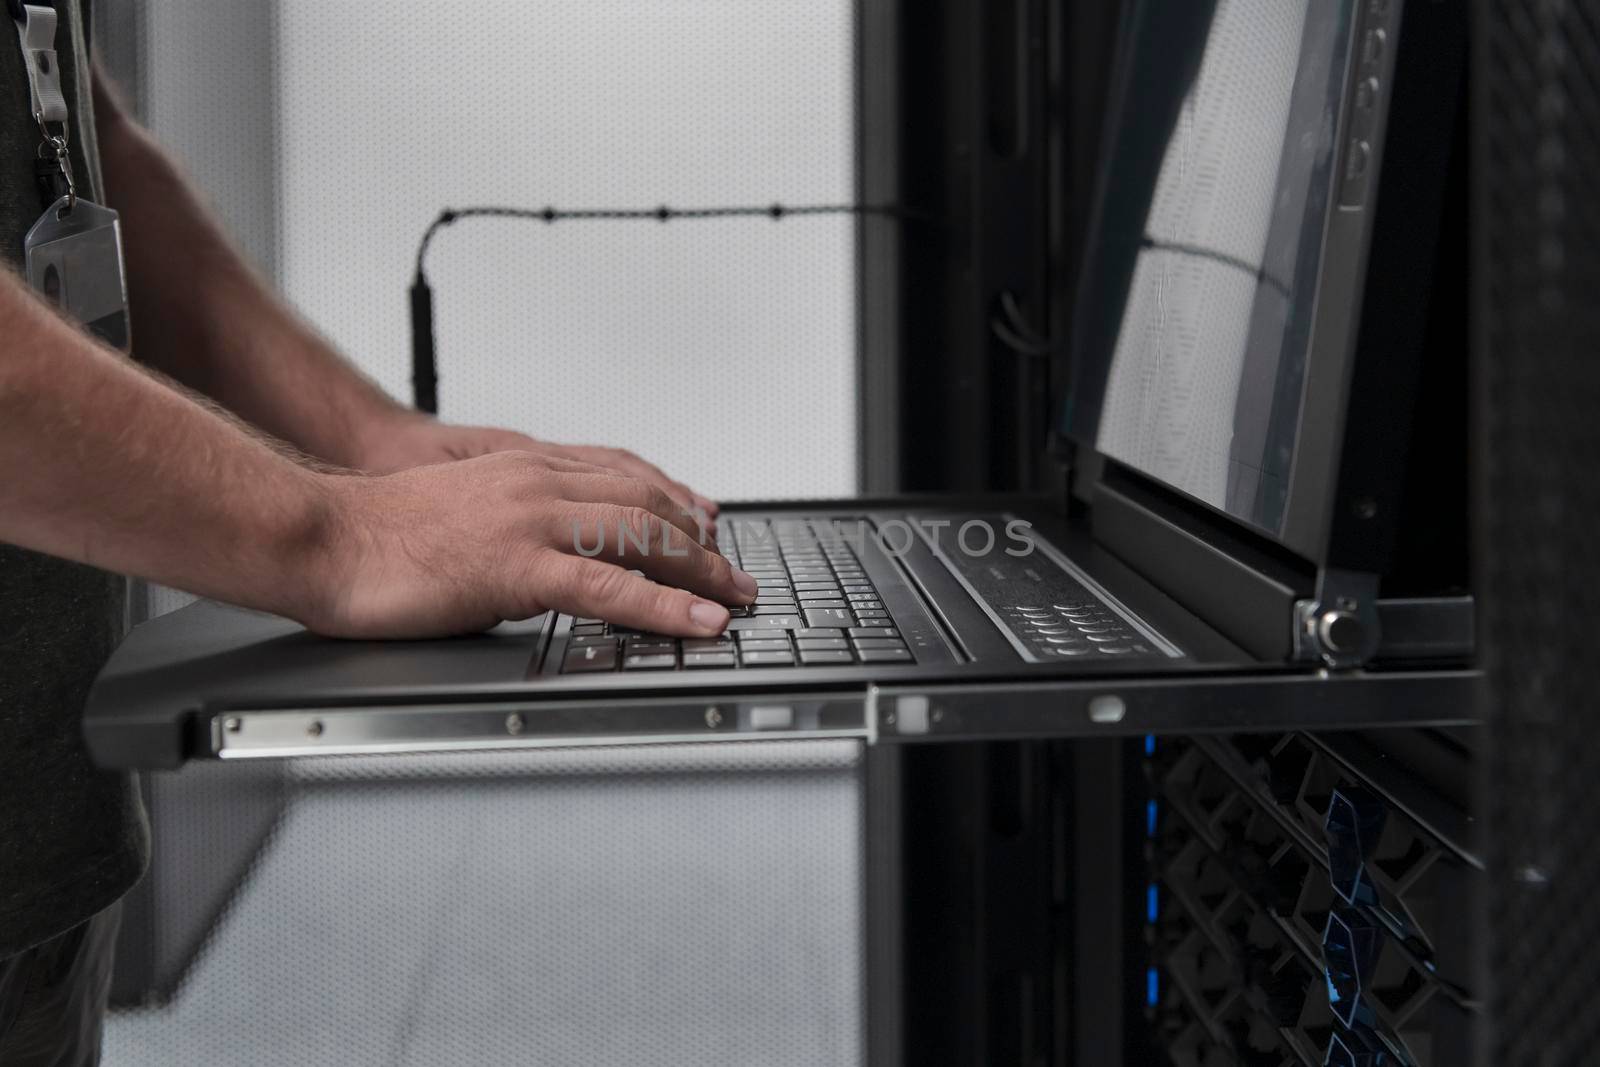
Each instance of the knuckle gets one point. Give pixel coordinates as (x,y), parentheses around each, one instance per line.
(660,502)
(600,583)
(639,519)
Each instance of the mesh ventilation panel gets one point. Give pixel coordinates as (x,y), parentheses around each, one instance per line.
(1538,129)
(724,351)
(693,904)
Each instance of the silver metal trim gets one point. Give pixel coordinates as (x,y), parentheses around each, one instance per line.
(268,733)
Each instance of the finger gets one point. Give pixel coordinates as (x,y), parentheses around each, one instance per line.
(612,487)
(641,468)
(634,537)
(589,588)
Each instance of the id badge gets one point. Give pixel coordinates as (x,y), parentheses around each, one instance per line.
(74,259)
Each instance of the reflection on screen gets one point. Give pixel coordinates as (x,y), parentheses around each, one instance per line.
(1192,338)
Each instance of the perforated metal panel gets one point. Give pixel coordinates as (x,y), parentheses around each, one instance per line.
(1538,132)
(725,351)
(575,907)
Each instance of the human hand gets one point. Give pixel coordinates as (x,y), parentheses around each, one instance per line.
(459,547)
(414,440)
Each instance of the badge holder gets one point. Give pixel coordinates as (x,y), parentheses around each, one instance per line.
(74,259)
(73,254)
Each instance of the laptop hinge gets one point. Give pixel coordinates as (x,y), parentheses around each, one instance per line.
(1340,624)
(1398,629)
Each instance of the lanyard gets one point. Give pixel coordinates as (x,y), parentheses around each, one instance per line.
(36,32)
(72,256)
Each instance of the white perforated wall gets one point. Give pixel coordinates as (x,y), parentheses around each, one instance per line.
(725,351)
(694,905)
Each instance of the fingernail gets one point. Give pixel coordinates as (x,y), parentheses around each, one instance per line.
(745,583)
(708,616)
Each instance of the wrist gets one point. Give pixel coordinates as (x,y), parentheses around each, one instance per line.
(374,436)
(316,545)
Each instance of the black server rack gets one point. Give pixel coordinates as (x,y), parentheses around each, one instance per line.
(1311,899)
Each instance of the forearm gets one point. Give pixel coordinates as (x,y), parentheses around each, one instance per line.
(203,316)
(103,464)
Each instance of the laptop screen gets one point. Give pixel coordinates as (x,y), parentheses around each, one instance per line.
(1194,320)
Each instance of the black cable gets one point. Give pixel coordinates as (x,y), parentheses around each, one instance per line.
(1226,260)
(424,368)
(1011,327)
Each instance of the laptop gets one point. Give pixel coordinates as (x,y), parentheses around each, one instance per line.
(1231,424)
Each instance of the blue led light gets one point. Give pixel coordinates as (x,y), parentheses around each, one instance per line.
(1149,744)
(1152,987)
(1152,903)
(1150,819)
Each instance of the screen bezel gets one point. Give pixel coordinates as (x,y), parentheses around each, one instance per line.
(1341,274)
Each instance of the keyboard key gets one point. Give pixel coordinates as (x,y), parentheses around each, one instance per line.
(885,655)
(818,594)
(815,586)
(707,644)
(590,639)
(589,630)
(879,642)
(661,661)
(832,617)
(590,658)
(703,660)
(773,609)
(814,605)
(873,631)
(811,656)
(863,596)
(763,646)
(650,644)
(821,644)
(816,632)
(766,622)
(767,659)
(871,613)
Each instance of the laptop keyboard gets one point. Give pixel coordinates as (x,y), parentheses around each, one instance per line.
(816,608)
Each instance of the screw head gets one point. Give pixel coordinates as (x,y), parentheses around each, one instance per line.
(1341,631)
(514,723)
(713,716)
(314,728)
(233,724)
